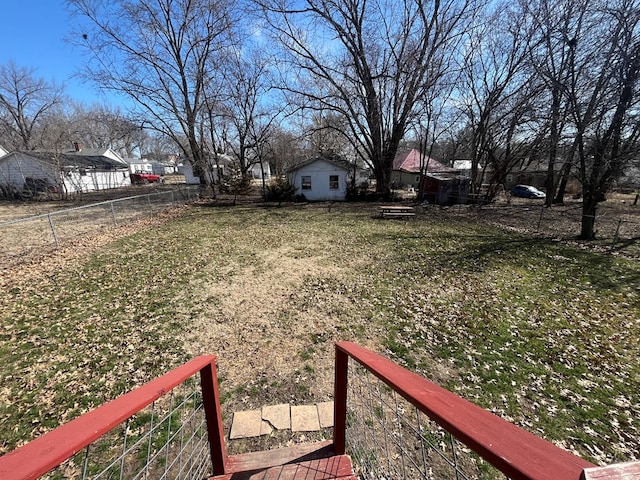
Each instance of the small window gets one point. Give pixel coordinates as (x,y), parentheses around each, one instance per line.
(83,172)
(417,178)
(333,182)
(306,183)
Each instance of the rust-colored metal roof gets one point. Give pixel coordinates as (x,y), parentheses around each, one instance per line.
(409,161)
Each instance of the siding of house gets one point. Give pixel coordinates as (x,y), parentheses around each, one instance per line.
(401,179)
(320,172)
(224,161)
(16,167)
(96,180)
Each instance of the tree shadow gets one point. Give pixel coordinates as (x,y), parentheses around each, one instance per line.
(484,252)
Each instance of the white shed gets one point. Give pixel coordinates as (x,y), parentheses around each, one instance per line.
(321,179)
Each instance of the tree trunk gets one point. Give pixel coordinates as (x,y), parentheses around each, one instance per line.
(549,183)
(562,186)
(589,207)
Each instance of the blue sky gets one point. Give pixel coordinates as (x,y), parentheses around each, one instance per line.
(32,35)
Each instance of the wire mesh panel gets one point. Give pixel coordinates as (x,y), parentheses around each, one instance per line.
(20,238)
(388,438)
(77,222)
(166,440)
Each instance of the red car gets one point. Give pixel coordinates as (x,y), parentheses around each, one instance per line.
(142,178)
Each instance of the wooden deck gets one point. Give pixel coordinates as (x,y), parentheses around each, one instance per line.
(310,462)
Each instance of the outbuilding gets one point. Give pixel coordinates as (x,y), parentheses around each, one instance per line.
(408,166)
(321,179)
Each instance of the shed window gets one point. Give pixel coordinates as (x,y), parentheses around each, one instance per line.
(333,182)
(306,183)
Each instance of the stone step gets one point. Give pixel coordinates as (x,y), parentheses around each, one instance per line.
(297,418)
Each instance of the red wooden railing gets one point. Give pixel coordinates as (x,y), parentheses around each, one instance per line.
(48,451)
(514,451)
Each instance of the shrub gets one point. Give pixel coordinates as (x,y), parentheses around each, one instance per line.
(280,190)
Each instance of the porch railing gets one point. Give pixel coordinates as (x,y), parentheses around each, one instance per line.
(169,428)
(394,424)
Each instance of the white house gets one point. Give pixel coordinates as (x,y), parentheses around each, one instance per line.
(139,165)
(257,170)
(321,179)
(225,163)
(68,172)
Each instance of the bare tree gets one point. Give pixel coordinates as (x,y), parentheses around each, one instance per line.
(436,121)
(604,98)
(246,105)
(369,62)
(557,25)
(284,149)
(498,92)
(24,101)
(160,54)
(326,135)
(102,126)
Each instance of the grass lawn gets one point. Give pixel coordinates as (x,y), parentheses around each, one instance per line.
(542,333)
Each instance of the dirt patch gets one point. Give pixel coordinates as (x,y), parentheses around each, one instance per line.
(255,320)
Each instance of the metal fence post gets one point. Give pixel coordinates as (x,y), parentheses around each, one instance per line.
(53,229)
(113,215)
(615,235)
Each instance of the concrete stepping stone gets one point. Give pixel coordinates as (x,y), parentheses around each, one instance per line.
(301,418)
(304,418)
(278,416)
(248,424)
(325,414)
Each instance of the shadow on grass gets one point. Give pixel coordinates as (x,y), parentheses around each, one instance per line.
(483,252)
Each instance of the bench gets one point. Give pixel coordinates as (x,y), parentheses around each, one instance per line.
(393,211)
(398,214)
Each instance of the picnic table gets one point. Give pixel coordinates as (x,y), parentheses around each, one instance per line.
(397,211)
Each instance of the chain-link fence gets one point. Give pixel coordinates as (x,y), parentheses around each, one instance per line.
(23,237)
(616,223)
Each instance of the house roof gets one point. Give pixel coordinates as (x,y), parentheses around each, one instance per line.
(342,164)
(409,161)
(76,159)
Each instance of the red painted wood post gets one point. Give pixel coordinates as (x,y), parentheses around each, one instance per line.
(340,402)
(213,414)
